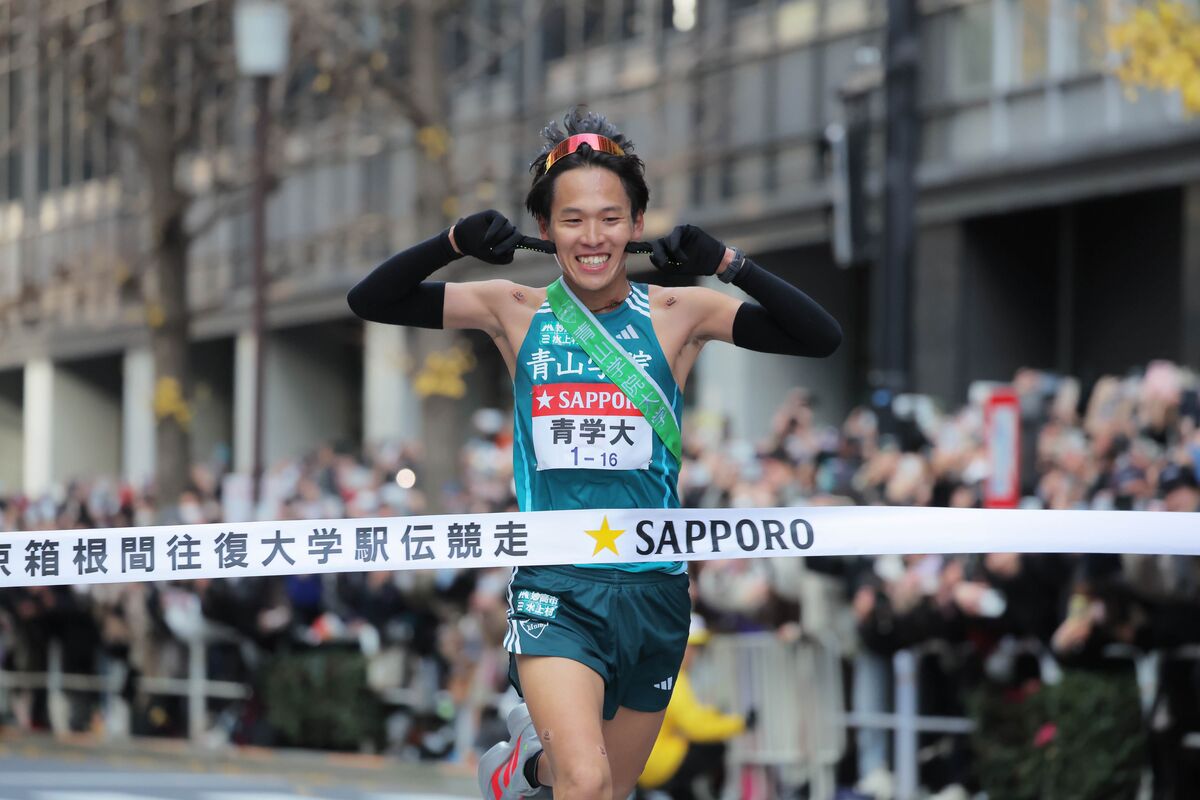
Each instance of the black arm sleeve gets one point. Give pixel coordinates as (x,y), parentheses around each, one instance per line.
(787,322)
(396,291)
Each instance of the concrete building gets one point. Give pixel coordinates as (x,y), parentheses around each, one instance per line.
(1059,219)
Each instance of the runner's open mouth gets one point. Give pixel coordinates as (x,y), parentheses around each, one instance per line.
(595,262)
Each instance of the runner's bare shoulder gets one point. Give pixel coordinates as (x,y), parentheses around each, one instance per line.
(486,305)
(684,301)
(702,312)
(670,296)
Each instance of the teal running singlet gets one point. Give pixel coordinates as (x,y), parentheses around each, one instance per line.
(578,441)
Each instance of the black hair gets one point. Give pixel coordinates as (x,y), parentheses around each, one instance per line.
(629,168)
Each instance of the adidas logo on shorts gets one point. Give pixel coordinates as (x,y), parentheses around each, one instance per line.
(665,685)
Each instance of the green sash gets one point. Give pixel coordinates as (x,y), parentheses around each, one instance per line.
(606,352)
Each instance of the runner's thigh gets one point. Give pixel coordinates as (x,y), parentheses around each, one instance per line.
(566,699)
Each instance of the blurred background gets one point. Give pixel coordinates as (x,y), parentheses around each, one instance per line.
(998,199)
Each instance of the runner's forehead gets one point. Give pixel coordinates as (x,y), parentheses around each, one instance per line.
(589,190)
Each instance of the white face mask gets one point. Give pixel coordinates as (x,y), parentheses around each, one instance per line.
(191,513)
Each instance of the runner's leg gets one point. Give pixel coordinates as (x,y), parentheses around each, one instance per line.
(566,701)
(629,738)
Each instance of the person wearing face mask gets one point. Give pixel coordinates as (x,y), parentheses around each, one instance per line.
(594,649)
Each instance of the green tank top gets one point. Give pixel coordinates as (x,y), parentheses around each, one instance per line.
(578,442)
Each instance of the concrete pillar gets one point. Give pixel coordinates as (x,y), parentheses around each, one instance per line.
(73,425)
(311,395)
(212,400)
(243,402)
(138,450)
(12,446)
(391,409)
(1190,277)
(39,425)
(938,342)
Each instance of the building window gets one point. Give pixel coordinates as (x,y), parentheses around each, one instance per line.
(797,21)
(633,22)
(1032,39)
(843,16)
(1086,43)
(10,159)
(554,32)
(593,22)
(44,151)
(972,44)
(740,6)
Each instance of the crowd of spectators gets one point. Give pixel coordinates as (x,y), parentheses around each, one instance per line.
(1128,442)
(429,635)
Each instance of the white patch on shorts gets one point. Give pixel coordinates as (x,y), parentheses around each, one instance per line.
(534,629)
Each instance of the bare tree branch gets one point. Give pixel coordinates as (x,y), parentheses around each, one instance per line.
(227,205)
(489,45)
(347,43)
(111,96)
(213,66)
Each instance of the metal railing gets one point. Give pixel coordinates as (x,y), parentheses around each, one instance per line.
(907,723)
(795,690)
(196,686)
(183,617)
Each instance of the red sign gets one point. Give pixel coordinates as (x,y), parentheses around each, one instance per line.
(591,399)
(1002,434)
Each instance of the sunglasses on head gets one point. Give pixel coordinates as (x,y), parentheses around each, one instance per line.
(593,140)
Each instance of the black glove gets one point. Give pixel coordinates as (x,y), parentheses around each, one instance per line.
(488,236)
(537,245)
(687,250)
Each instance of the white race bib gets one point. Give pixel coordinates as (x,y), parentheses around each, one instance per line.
(589,426)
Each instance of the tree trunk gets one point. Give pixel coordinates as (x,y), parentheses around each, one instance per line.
(172,364)
(444,422)
(166,304)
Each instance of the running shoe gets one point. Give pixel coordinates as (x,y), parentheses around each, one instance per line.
(502,768)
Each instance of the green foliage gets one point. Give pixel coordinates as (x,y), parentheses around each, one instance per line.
(320,699)
(1081,739)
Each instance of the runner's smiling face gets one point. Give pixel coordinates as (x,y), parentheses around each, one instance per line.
(590,224)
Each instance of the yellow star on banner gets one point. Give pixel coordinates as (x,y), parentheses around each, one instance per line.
(606,538)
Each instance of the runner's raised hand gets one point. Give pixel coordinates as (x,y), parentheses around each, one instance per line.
(486,235)
(687,250)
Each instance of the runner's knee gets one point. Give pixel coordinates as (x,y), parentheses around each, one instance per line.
(583,779)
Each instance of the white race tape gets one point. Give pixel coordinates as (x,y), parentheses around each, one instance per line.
(184,552)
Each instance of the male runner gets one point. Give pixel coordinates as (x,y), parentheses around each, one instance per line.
(595,649)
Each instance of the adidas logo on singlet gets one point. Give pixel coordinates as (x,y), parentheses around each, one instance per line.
(628,333)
